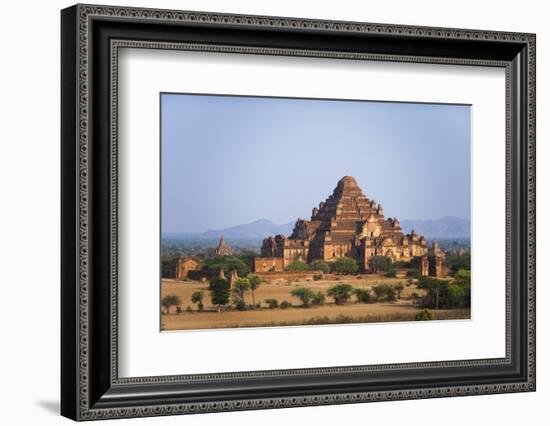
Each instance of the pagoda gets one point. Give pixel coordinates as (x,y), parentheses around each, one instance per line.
(349,224)
(223,248)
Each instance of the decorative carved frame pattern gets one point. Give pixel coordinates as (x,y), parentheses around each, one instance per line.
(85,13)
(115,46)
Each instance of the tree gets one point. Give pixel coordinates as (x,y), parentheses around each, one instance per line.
(340,293)
(197,297)
(413,273)
(240,287)
(424,315)
(455,296)
(384,292)
(219,291)
(272,303)
(255,280)
(442,294)
(362,294)
(215,280)
(399,288)
(463,277)
(170,300)
(428,283)
(379,263)
(391,273)
(455,262)
(298,265)
(345,265)
(318,299)
(247,256)
(304,294)
(285,304)
(320,265)
(227,263)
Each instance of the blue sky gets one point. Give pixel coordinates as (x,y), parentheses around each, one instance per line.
(229,160)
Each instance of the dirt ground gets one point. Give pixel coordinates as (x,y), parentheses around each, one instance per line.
(401,310)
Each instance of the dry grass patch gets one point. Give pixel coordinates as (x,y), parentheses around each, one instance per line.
(329,313)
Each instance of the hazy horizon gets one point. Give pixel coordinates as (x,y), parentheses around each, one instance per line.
(228,161)
(292,221)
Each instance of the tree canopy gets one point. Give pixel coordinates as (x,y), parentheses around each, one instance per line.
(247,256)
(424,315)
(455,262)
(170,300)
(255,280)
(463,277)
(442,294)
(345,265)
(306,295)
(240,287)
(384,292)
(320,265)
(340,293)
(298,265)
(219,291)
(362,294)
(227,263)
(380,264)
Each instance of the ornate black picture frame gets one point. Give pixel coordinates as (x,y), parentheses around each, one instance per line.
(91,387)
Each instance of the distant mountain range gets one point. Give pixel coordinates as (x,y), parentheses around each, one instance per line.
(259,229)
(445,227)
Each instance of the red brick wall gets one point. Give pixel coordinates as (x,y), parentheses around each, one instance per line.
(264,264)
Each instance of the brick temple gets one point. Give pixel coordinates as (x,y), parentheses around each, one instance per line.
(223,248)
(349,224)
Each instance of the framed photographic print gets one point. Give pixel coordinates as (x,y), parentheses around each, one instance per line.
(346,263)
(263,212)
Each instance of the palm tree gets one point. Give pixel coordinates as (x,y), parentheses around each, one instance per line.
(241,286)
(255,280)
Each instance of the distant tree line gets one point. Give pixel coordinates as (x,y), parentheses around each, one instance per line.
(348,265)
(342,265)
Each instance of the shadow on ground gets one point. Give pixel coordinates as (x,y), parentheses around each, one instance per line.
(51,406)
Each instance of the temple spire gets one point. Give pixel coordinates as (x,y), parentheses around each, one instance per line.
(223,248)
